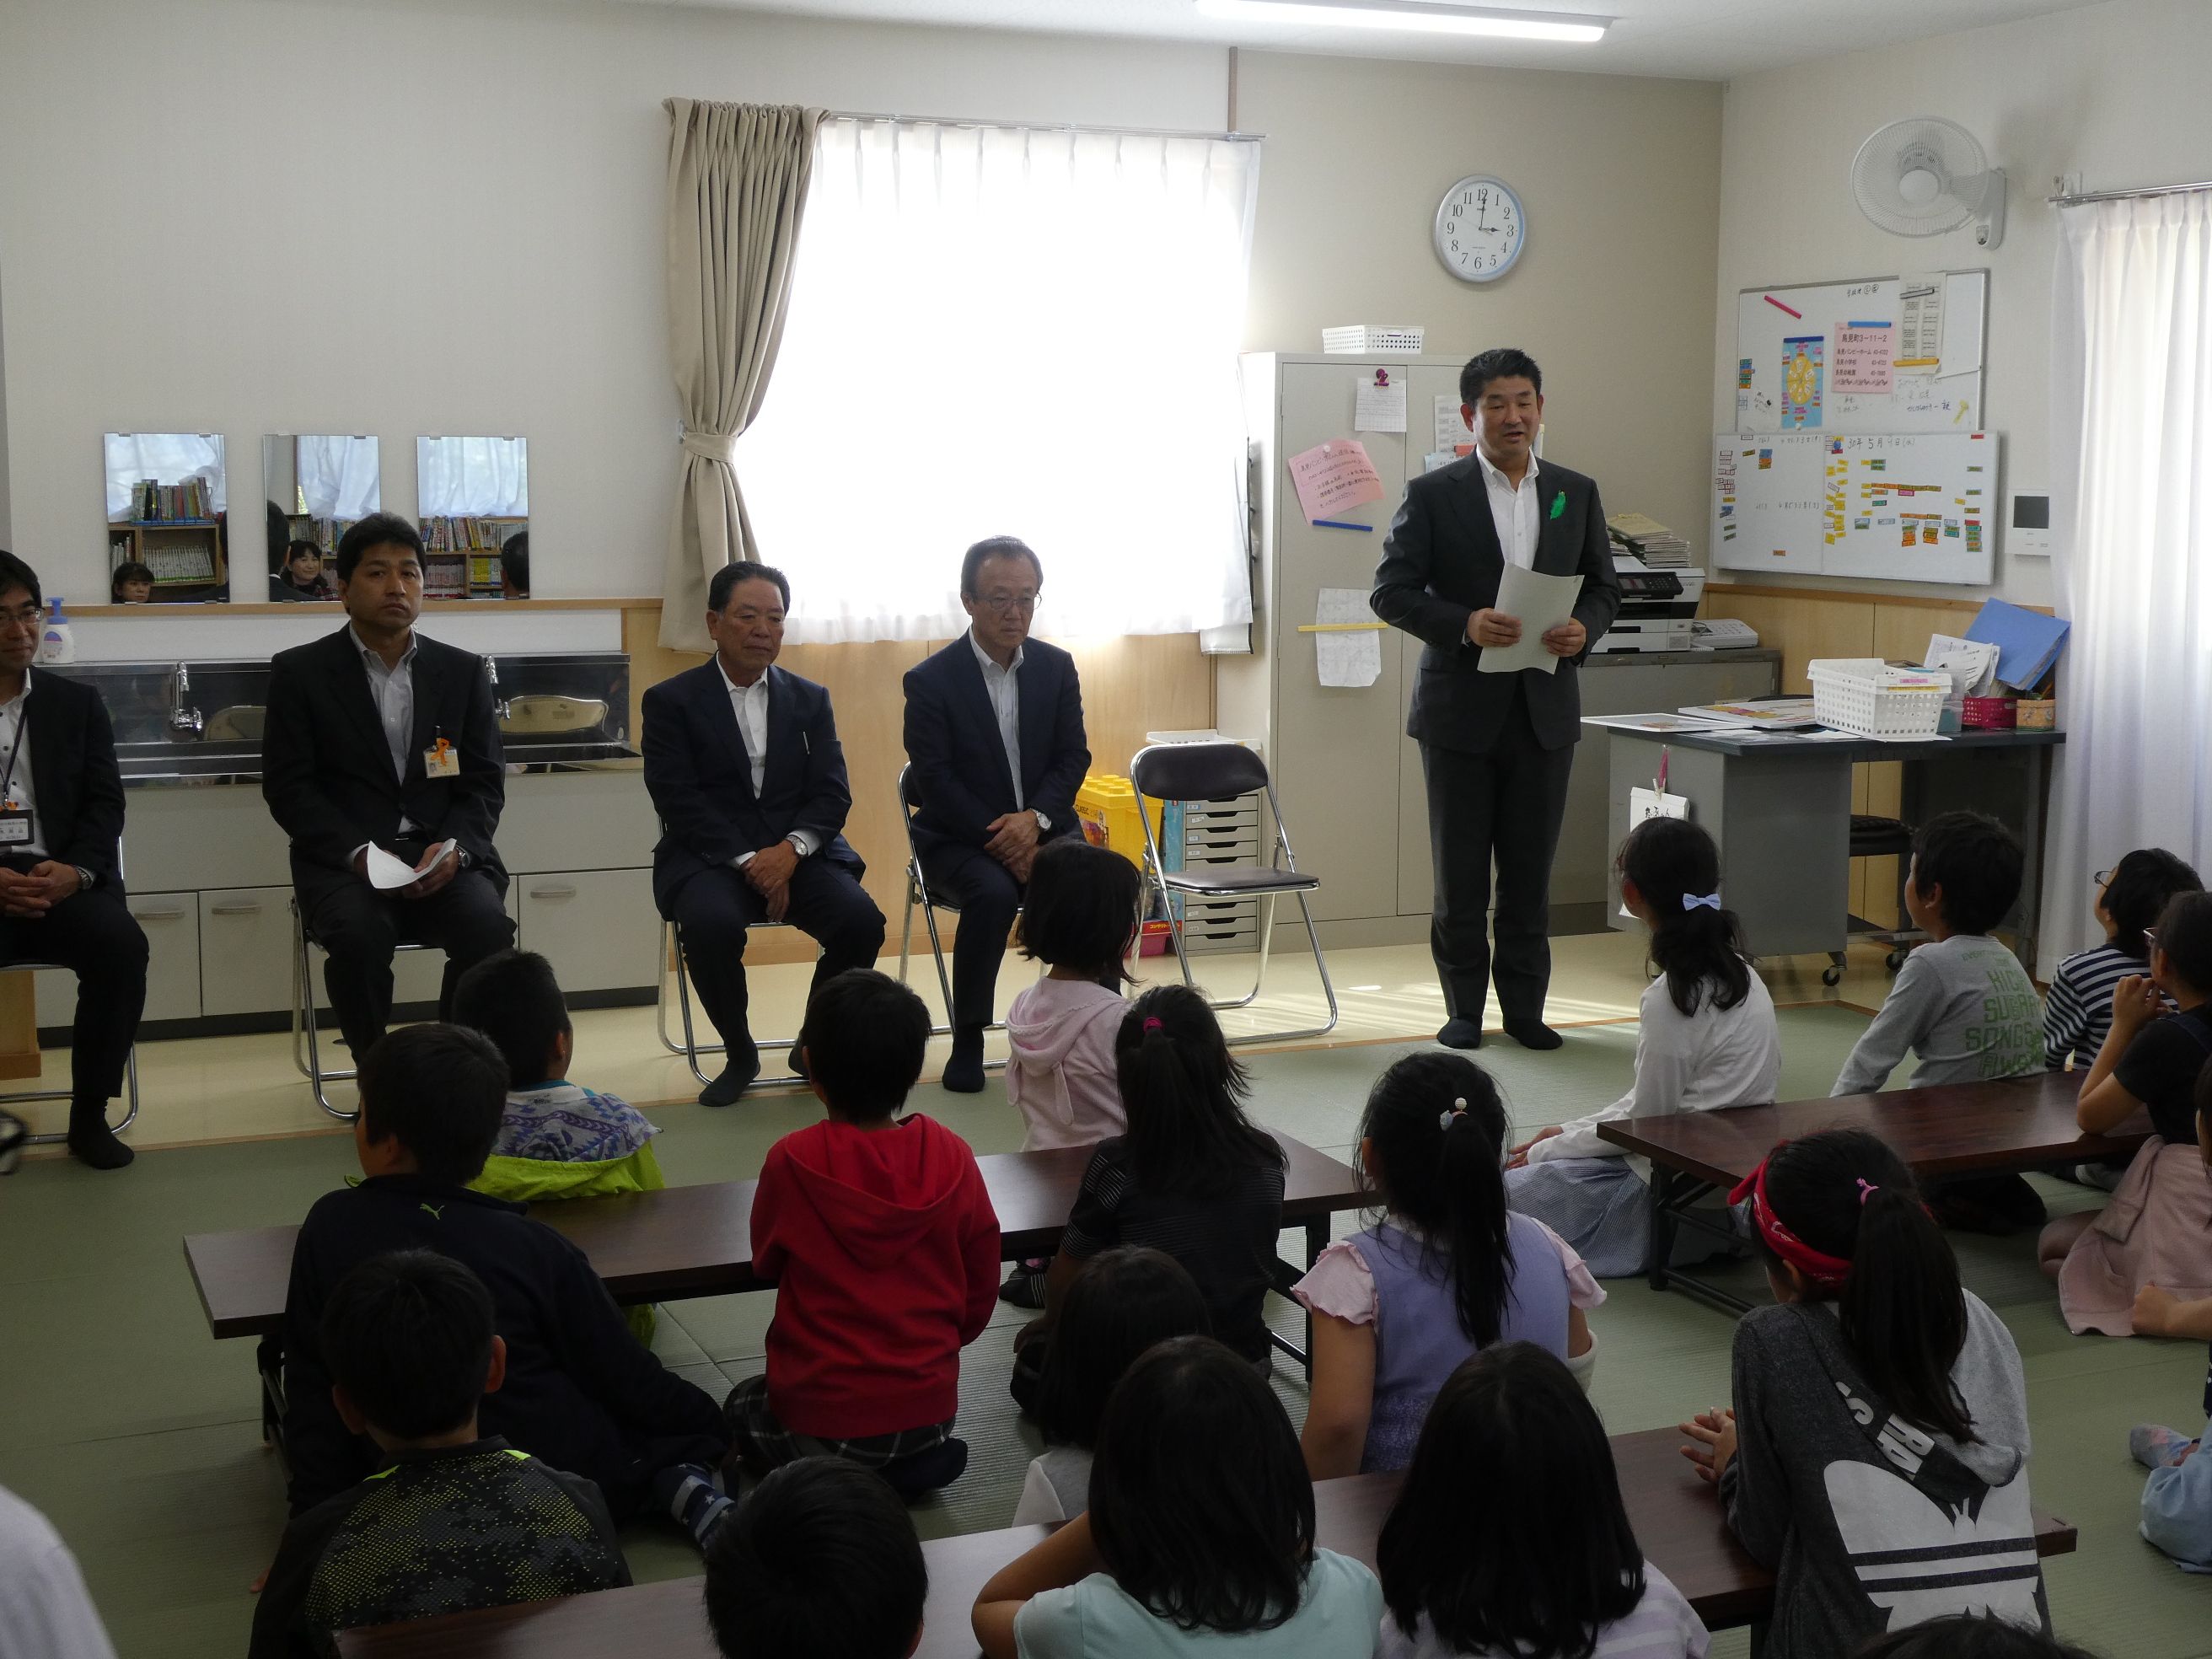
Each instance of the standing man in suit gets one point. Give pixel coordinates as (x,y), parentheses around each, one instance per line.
(61,868)
(1496,749)
(744,766)
(377,737)
(994,736)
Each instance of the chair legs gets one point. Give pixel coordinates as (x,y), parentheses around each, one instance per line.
(306,1045)
(1260,974)
(129,1101)
(691,1048)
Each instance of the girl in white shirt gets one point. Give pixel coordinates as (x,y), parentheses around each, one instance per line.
(1706,1039)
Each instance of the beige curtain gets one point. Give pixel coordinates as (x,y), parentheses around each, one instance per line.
(737,188)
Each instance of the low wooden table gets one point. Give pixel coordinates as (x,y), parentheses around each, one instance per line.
(1949,1129)
(697,1240)
(1677,1518)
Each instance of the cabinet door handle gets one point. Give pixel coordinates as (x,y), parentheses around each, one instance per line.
(246,907)
(175,915)
(559,889)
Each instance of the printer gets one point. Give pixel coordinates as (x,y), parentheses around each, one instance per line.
(1658,609)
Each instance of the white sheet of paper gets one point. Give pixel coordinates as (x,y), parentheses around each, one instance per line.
(1450,431)
(1541,602)
(387,872)
(1379,409)
(1653,804)
(1351,659)
(1972,664)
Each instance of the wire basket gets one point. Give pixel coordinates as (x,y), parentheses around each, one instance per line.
(1866,696)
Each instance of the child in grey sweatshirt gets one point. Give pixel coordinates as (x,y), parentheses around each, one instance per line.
(1962,1003)
(1879,1470)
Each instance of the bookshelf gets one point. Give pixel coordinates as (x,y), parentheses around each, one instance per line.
(186,555)
(461,555)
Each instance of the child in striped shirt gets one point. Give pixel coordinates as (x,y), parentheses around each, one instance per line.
(2130,897)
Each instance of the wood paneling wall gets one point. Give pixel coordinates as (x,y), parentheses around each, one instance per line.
(1130,686)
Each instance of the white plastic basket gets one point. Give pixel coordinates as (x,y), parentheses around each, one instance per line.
(1867,696)
(1365,337)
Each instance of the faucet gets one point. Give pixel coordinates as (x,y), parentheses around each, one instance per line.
(182,719)
(499,709)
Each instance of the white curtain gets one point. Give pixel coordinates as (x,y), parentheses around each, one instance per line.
(168,457)
(1006,331)
(2131,469)
(472,478)
(339,477)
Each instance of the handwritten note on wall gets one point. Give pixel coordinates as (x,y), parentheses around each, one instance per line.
(1863,359)
(1333,478)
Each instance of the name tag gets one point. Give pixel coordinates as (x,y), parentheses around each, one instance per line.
(441,759)
(15,826)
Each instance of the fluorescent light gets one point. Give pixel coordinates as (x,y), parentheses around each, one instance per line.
(1418,18)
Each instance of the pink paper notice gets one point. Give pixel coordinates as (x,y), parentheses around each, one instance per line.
(1334,476)
(1862,361)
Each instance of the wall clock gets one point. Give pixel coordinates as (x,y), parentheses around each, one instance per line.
(1481,228)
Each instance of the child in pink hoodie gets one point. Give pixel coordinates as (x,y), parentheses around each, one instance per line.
(1079,919)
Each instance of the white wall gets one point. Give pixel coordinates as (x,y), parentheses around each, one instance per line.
(2113,93)
(402,216)
(1620,179)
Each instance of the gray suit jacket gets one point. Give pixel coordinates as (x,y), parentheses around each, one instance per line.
(1441,563)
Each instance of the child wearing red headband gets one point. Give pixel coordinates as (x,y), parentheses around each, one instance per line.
(1877,1455)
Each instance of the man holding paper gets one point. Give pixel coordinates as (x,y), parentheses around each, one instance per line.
(380,758)
(1499,564)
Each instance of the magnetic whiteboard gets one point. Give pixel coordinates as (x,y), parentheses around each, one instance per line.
(1889,354)
(1915,506)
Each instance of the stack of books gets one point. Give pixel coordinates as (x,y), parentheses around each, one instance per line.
(1659,548)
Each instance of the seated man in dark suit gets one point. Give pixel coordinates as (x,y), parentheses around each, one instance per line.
(377,737)
(994,735)
(743,763)
(61,874)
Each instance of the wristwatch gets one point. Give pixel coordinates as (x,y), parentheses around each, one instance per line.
(797,843)
(1044,823)
(86,880)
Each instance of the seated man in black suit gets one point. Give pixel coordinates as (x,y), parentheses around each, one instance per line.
(743,763)
(377,737)
(994,736)
(61,874)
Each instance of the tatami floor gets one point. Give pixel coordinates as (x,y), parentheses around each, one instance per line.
(138,1434)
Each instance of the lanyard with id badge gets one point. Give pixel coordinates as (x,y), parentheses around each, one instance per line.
(15,828)
(441,759)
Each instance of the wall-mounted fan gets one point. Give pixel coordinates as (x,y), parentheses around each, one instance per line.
(1927,175)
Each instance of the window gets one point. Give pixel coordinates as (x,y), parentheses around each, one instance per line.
(1001,330)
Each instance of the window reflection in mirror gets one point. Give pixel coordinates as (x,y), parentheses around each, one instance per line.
(317,487)
(168,511)
(473,498)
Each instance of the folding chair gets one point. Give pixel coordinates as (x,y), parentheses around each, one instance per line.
(1226,771)
(130,1074)
(306,1051)
(671,945)
(917,894)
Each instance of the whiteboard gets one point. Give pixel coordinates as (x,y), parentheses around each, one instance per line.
(1886,354)
(1914,506)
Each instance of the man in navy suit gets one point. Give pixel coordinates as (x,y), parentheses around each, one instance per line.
(1496,749)
(744,766)
(994,737)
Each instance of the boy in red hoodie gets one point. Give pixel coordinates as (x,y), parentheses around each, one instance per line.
(883,1248)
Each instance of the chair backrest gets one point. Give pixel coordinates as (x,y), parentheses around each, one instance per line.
(910,791)
(1197,771)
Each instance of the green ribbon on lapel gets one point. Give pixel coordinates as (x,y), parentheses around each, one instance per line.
(1560,504)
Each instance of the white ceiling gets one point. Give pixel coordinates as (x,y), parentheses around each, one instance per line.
(1695,40)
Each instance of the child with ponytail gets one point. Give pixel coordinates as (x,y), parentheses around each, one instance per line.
(1705,1039)
(1192,1177)
(1877,1455)
(1446,1270)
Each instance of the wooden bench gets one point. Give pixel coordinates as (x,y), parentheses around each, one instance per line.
(697,1240)
(1677,1518)
(1949,1129)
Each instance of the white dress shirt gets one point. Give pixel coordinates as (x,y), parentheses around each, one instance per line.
(1515,512)
(749,704)
(392,690)
(14,740)
(1004,688)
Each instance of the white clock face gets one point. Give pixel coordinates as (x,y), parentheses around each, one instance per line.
(1481,229)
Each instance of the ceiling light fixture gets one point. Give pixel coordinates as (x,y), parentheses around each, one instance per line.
(1419,17)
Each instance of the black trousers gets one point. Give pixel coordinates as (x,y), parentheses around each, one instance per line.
(93,935)
(360,927)
(715,906)
(988,899)
(1505,805)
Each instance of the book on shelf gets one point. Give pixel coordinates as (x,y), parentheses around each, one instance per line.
(154,503)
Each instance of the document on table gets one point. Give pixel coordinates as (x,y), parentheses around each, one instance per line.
(387,872)
(1541,602)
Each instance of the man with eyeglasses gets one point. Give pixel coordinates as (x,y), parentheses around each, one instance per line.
(994,739)
(61,867)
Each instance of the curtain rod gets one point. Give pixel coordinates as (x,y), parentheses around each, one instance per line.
(2078,196)
(1045,127)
